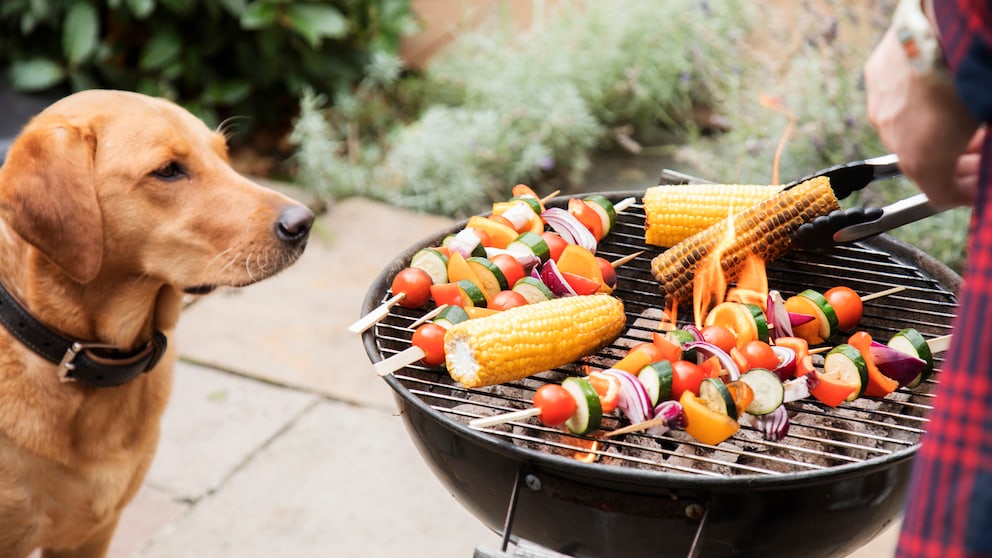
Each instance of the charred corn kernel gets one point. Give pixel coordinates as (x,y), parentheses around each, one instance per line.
(674,213)
(764,229)
(525,340)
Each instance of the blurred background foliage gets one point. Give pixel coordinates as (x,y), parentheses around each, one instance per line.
(216,57)
(588,96)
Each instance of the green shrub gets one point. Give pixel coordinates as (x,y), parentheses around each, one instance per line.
(507,106)
(214,56)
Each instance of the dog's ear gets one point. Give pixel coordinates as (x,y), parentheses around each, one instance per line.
(48,197)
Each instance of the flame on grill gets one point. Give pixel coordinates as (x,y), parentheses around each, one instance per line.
(710,285)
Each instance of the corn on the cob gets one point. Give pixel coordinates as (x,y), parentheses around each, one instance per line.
(676,212)
(525,340)
(764,229)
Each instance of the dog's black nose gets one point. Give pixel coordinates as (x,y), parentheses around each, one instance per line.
(294,224)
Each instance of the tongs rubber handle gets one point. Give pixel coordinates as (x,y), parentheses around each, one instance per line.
(847,178)
(856,223)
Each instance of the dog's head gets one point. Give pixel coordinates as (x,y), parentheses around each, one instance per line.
(114,184)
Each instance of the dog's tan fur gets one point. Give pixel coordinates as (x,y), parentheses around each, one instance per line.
(98,239)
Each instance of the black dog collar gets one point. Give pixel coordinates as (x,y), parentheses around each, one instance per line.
(91,364)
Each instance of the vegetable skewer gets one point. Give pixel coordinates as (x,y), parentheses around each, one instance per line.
(415,291)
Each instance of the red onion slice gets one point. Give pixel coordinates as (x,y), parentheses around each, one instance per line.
(712,350)
(897,365)
(671,411)
(565,224)
(635,402)
(779,321)
(786,362)
(774,426)
(555,280)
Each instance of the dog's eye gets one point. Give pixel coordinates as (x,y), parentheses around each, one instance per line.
(170,171)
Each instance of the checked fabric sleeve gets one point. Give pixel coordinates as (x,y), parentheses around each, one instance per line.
(949,505)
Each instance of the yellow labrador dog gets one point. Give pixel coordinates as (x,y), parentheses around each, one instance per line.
(112,205)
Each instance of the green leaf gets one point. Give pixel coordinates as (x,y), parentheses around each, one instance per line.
(163,48)
(81,32)
(225,93)
(316,22)
(233,7)
(35,75)
(259,15)
(141,8)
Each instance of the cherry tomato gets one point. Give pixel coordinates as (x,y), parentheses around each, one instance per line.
(510,267)
(555,243)
(686,376)
(846,304)
(719,336)
(759,355)
(430,338)
(504,300)
(608,271)
(556,404)
(415,284)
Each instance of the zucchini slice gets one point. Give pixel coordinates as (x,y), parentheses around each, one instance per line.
(530,243)
(911,342)
(717,397)
(588,413)
(533,289)
(657,379)
(847,363)
(472,295)
(433,262)
(829,324)
(450,315)
(769,393)
(489,274)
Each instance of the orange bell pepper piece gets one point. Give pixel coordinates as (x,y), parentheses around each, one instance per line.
(705,424)
(830,390)
(638,357)
(669,351)
(879,385)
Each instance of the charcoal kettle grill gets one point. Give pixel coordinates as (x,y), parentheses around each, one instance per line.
(836,481)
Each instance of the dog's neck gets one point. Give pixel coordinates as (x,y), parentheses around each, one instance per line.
(122,312)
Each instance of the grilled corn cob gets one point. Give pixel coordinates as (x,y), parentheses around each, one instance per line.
(764,229)
(525,340)
(676,212)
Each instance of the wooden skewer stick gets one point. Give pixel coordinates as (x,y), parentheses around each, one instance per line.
(625,259)
(656,421)
(547,198)
(939,344)
(368,320)
(623,204)
(428,316)
(403,358)
(486,422)
(880,294)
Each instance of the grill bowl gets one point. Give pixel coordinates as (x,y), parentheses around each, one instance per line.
(604,509)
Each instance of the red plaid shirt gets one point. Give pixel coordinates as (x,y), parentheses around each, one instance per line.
(949,506)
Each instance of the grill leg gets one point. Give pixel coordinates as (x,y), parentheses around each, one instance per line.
(524,549)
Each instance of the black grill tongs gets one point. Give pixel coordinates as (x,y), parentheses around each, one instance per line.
(856,223)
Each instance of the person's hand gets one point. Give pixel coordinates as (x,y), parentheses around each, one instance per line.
(922,120)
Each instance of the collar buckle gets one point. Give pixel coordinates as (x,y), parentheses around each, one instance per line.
(67,363)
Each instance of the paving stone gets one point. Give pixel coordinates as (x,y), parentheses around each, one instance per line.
(342,481)
(214,423)
(292,329)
